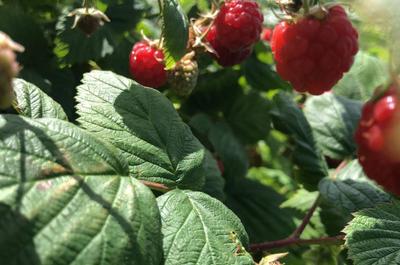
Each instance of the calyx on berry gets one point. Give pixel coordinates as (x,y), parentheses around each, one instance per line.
(9,69)
(378,140)
(313,51)
(290,6)
(146,64)
(183,77)
(88,20)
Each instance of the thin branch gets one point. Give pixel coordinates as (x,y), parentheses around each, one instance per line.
(306,220)
(155,186)
(294,239)
(342,165)
(337,240)
(160,6)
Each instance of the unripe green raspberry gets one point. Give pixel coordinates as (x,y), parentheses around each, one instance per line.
(183,78)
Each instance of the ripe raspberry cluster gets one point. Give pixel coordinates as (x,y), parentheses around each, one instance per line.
(236,28)
(314,53)
(378,141)
(147,65)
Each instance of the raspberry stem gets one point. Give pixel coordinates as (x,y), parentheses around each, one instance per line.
(87,4)
(306,220)
(336,240)
(155,186)
(160,6)
(294,238)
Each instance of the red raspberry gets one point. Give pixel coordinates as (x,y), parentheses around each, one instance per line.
(238,24)
(266,34)
(223,56)
(378,141)
(147,66)
(313,54)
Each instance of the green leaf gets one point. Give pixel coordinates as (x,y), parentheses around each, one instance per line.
(187,4)
(215,183)
(288,118)
(258,207)
(144,126)
(66,198)
(227,147)
(113,61)
(301,200)
(124,16)
(249,117)
(349,192)
(203,5)
(231,151)
(260,76)
(200,230)
(367,73)
(373,237)
(175,32)
(214,92)
(34,103)
(334,120)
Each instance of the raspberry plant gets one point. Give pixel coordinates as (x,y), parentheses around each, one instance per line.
(199,132)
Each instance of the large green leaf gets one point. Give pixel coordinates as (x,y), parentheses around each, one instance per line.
(65,198)
(249,117)
(288,118)
(334,120)
(34,103)
(175,32)
(200,230)
(349,192)
(365,76)
(144,125)
(373,237)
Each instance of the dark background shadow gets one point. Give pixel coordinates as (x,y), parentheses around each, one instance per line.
(16,234)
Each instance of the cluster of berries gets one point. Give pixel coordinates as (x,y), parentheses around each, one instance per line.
(231,36)
(378,141)
(311,51)
(147,67)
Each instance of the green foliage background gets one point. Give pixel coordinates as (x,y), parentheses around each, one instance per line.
(278,148)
